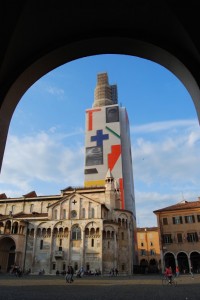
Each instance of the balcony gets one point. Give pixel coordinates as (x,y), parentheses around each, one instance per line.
(58,254)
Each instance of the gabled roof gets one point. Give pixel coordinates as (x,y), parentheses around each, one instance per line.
(30,195)
(179,206)
(3,196)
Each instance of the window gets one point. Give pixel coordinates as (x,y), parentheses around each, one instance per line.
(41,244)
(167,238)
(122,235)
(73,214)
(152,252)
(165,222)
(177,220)
(92,243)
(108,245)
(192,237)
(179,237)
(54,266)
(189,219)
(55,214)
(143,252)
(151,243)
(142,244)
(76,233)
(198,218)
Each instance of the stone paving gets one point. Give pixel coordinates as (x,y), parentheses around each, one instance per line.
(137,287)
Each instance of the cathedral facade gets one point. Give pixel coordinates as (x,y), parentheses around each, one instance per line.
(93,227)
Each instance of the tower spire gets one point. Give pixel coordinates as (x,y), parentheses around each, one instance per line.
(103,91)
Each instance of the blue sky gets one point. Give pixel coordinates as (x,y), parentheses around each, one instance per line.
(45,146)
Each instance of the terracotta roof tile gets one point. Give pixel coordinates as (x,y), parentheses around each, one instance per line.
(181,205)
(3,196)
(30,195)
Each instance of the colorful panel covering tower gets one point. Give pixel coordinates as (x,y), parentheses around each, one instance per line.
(107,143)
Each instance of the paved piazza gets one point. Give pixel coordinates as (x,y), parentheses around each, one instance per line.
(95,288)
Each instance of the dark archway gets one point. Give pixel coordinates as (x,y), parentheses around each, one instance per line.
(7,254)
(153,266)
(195,261)
(169,260)
(183,263)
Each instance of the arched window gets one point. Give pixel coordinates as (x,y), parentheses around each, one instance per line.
(76,233)
(92,231)
(32,232)
(44,232)
(87,231)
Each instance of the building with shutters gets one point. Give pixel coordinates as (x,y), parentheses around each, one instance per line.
(148,249)
(179,235)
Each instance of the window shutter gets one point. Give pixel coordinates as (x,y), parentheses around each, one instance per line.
(193,218)
(181,220)
(173,220)
(186,220)
(196,237)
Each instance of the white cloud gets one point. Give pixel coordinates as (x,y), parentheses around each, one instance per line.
(162,126)
(165,164)
(41,158)
(53,90)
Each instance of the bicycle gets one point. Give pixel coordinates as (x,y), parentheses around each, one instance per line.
(166,281)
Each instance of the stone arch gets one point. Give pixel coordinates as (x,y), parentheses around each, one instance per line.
(15,227)
(8,227)
(7,253)
(52,59)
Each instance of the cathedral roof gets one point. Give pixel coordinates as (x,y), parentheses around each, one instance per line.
(3,196)
(30,195)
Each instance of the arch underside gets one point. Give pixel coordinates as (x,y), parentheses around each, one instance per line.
(160,33)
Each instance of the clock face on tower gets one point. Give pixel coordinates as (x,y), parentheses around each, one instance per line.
(73,214)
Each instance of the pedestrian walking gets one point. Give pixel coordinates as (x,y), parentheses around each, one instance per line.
(70,274)
(191,272)
(177,271)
